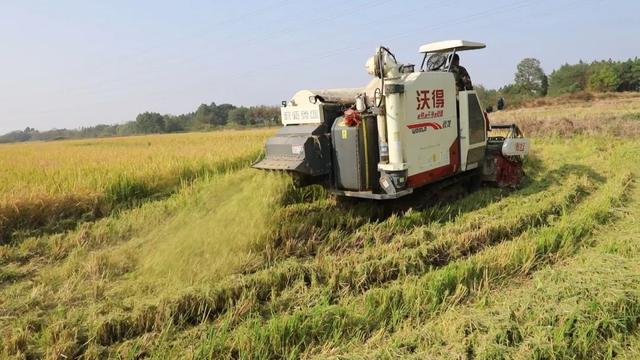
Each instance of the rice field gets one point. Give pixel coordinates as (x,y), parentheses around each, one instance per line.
(50,186)
(237,263)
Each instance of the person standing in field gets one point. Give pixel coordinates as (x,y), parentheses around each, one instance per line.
(463,80)
(500,103)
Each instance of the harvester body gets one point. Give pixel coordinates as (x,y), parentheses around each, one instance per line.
(406,129)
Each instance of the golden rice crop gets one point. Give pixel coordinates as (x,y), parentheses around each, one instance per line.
(52,185)
(89,166)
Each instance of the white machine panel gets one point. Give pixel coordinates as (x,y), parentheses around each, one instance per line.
(301,114)
(305,107)
(429,127)
(515,147)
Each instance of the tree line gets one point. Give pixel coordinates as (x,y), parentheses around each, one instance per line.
(530,81)
(206,117)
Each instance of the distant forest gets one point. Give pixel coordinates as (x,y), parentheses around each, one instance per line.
(530,82)
(205,118)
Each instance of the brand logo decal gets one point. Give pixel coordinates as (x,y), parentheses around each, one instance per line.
(430,99)
(423,126)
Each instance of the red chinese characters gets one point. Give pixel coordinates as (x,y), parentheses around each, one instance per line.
(430,99)
(438,98)
(422,96)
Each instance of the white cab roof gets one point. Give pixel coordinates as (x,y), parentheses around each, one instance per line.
(449,45)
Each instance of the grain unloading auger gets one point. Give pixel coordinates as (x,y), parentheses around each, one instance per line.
(404,130)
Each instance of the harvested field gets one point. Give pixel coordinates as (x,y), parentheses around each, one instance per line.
(586,114)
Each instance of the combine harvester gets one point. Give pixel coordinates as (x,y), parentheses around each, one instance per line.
(406,129)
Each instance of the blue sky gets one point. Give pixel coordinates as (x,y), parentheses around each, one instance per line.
(79,63)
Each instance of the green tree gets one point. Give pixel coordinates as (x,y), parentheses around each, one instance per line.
(569,79)
(15,136)
(530,78)
(128,128)
(213,114)
(488,97)
(629,73)
(205,114)
(544,89)
(222,113)
(150,122)
(173,124)
(604,77)
(239,116)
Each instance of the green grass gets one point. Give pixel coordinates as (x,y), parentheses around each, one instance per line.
(358,271)
(586,306)
(289,335)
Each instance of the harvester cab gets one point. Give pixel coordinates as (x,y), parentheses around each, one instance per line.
(404,130)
